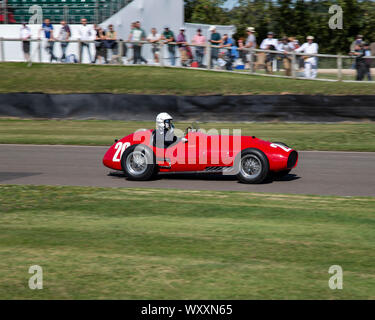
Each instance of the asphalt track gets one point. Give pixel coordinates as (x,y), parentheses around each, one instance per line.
(321,173)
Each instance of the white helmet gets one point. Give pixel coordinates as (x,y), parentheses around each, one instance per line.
(164,121)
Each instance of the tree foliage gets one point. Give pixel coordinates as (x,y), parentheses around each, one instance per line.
(206,11)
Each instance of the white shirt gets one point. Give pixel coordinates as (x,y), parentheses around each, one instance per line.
(86,33)
(152,37)
(284,47)
(268,42)
(308,48)
(25,33)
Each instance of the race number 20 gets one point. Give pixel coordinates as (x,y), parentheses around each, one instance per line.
(120,148)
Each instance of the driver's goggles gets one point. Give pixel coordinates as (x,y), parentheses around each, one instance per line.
(168,124)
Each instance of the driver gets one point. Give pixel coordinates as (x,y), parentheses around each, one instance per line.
(164,133)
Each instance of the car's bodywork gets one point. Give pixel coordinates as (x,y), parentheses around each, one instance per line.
(201,152)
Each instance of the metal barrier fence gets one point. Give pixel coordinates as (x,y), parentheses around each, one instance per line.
(294,65)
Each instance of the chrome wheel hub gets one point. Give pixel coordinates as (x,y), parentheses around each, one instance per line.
(136,163)
(251,166)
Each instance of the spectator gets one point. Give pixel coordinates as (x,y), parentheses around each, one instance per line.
(241,50)
(269,41)
(137,34)
(100,50)
(270,59)
(182,45)
(286,48)
(154,38)
(228,43)
(200,41)
(311,63)
(47,28)
(294,44)
(64,35)
(86,33)
(263,59)
(360,63)
(25,35)
(132,26)
(111,43)
(215,41)
(250,43)
(168,37)
(265,45)
(367,50)
(358,40)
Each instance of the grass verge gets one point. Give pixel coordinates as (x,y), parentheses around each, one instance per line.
(98,243)
(335,136)
(53,78)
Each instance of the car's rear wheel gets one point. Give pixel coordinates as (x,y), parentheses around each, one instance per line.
(253,166)
(138,163)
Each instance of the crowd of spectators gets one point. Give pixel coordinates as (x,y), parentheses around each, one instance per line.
(225,52)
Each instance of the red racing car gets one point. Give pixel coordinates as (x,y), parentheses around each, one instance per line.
(143,154)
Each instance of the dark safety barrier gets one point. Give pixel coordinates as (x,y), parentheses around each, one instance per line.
(201,108)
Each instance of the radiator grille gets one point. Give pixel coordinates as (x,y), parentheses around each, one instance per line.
(292,160)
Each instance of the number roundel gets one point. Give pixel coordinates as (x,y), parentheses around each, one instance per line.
(120,148)
(277,145)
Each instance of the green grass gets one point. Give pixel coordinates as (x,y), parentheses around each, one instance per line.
(335,136)
(146,80)
(166,244)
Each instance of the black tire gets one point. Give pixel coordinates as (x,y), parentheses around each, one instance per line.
(146,170)
(261,166)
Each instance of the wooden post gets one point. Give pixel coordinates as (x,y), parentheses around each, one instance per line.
(208,55)
(161,54)
(294,74)
(79,51)
(339,67)
(251,60)
(2,50)
(40,50)
(120,45)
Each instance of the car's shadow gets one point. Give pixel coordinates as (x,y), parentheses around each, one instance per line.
(288,177)
(206,177)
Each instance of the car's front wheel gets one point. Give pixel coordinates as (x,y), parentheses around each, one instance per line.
(138,163)
(253,166)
